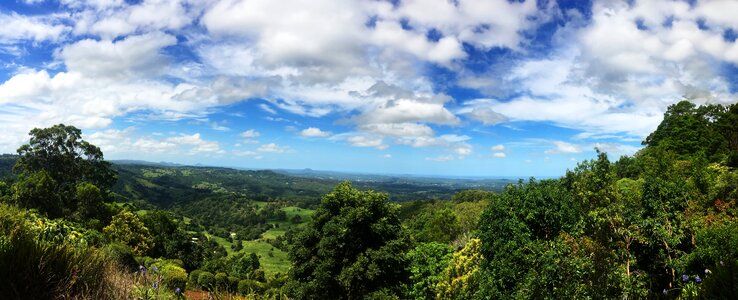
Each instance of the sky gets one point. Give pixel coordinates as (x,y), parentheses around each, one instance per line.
(428,87)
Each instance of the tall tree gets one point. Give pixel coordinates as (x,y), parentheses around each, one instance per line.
(353,246)
(66,160)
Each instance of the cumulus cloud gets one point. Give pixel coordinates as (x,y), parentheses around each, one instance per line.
(314,132)
(138,55)
(201,146)
(18,27)
(251,133)
(273,148)
(126,142)
(366,141)
(368,62)
(398,129)
(564,147)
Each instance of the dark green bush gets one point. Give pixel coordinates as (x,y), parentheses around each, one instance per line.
(221,281)
(194,277)
(206,281)
(173,276)
(122,255)
(32,268)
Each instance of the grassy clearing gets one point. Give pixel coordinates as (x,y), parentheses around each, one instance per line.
(272,260)
(221,241)
(278,261)
(302,212)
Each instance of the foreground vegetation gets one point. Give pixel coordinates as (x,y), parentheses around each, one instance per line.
(661,223)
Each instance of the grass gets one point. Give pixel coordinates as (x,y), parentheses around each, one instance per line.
(221,241)
(273,233)
(277,262)
(302,212)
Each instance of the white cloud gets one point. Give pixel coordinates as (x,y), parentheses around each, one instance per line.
(485,115)
(273,148)
(314,132)
(267,108)
(440,158)
(18,27)
(462,150)
(366,141)
(398,129)
(125,142)
(248,153)
(499,154)
(564,147)
(111,19)
(200,146)
(219,126)
(498,148)
(251,133)
(387,156)
(135,55)
(616,150)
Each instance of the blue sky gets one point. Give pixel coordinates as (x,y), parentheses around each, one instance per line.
(457,88)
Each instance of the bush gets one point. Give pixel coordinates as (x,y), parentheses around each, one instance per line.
(233,283)
(221,281)
(173,276)
(248,286)
(35,268)
(194,277)
(120,254)
(206,281)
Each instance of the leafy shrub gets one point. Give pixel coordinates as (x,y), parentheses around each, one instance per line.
(206,281)
(248,286)
(221,281)
(194,277)
(120,254)
(35,268)
(173,276)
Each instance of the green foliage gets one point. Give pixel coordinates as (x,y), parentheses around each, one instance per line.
(169,239)
(520,232)
(33,266)
(243,265)
(689,130)
(461,278)
(468,214)
(221,281)
(173,276)
(194,277)
(38,190)
(472,196)
(350,249)
(441,226)
(427,262)
(128,229)
(55,162)
(121,255)
(206,281)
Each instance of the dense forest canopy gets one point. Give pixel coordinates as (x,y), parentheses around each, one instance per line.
(660,223)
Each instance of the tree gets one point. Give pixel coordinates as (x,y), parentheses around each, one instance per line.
(128,229)
(38,190)
(427,262)
(353,246)
(461,278)
(66,161)
(243,265)
(690,130)
(472,196)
